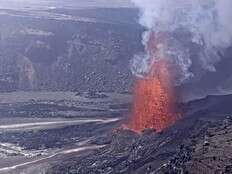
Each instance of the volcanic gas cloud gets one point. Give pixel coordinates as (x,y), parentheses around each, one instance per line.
(182,41)
(154,98)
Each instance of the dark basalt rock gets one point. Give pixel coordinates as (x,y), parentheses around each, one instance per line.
(193,145)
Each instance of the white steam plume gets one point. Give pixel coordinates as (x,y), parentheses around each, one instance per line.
(207,22)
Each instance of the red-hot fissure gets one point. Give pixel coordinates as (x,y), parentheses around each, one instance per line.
(154,97)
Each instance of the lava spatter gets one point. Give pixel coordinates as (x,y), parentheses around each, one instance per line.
(154,96)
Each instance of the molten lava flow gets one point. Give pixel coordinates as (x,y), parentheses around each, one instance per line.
(154,100)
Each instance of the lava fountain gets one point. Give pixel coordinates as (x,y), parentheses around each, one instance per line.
(154,95)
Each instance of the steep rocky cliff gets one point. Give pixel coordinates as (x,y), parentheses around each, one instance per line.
(67,50)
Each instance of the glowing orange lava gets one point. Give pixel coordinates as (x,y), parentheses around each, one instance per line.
(154,99)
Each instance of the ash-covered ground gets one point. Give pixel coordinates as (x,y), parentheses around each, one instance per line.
(65,132)
(199,143)
(37,128)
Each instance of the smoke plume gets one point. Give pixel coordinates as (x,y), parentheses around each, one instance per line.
(204,25)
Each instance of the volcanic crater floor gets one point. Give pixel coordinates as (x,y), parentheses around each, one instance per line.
(60,133)
(199,143)
(39,128)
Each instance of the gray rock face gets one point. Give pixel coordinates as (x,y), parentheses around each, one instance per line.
(86,50)
(59,51)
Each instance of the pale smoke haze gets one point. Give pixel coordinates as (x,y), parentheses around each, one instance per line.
(64,3)
(208,24)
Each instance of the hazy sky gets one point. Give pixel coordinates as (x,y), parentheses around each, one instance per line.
(64,3)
